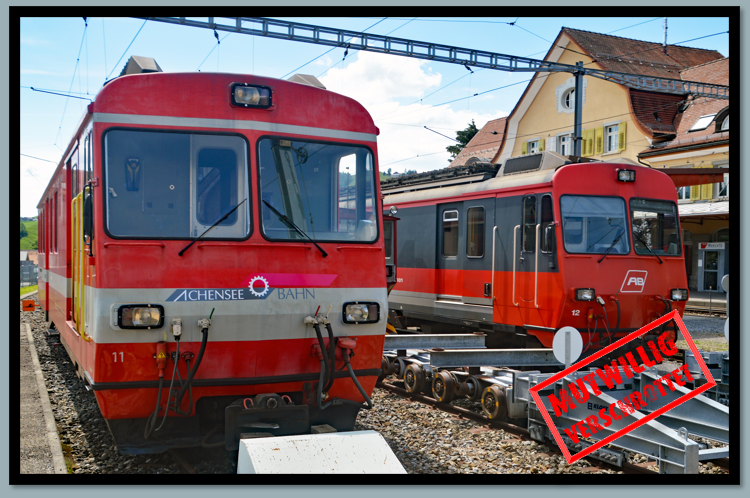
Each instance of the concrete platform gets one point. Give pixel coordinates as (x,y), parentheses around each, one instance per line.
(717,299)
(41,452)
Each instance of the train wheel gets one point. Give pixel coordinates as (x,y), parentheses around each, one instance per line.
(494,404)
(383,369)
(414,378)
(443,386)
(401,364)
(476,392)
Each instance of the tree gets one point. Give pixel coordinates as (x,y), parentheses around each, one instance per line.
(463,137)
(24,233)
(35,244)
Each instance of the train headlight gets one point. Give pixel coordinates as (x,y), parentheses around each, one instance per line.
(625,175)
(140,316)
(585,294)
(679,294)
(359,312)
(245,95)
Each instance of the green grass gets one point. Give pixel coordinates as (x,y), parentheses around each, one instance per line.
(30,288)
(28,241)
(706,344)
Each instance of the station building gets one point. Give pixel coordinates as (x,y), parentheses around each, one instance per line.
(674,132)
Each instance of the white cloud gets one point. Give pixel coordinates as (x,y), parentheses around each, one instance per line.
(377,81)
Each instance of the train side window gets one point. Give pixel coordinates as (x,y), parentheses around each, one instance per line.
(55,222)
(40,231)
(475,232)
(388,239)
(450,234)
(529,224)
(547,218)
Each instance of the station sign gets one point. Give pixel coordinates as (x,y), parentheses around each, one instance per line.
(711,245)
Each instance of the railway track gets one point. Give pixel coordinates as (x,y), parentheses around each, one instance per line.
(705,310)
(516,430)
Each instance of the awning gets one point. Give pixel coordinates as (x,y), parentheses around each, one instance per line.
(720,208)
(683,177)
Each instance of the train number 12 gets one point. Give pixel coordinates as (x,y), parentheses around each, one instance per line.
(122,357)
(576,312)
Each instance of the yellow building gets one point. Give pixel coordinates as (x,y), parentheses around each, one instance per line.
(653,129)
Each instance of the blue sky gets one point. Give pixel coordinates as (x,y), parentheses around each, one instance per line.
(403,95)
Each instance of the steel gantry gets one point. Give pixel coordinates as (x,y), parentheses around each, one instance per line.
(355,40)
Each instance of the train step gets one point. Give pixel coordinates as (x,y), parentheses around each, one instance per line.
(357,452)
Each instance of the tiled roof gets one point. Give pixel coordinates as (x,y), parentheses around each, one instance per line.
(703,208)
(625,55)
(656,111)
(485,143)
(714,72)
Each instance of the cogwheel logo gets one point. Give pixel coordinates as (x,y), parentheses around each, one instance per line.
(252,284)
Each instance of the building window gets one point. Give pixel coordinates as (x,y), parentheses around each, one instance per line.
(475,232)
(703,122)
(569,99)
(725,124)
(721,235)
(724,187)
(611,138)
(566,144)
(683,193)
(532,147)
(450,234)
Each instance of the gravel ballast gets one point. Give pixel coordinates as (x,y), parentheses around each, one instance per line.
(424,439)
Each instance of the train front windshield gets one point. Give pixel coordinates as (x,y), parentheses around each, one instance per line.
(327,190)
(655,228)
(594,225)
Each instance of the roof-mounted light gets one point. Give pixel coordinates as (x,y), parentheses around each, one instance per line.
(254,96)
(625,175)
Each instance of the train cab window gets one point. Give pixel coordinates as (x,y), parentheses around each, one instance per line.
(175,185)
(655,227)
(325,190)
(594,225)
(450,234)
(547,219)
(475,232)
(529,224)
(55,223)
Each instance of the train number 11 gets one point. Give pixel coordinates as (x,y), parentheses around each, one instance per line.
(576,312)
(122,357)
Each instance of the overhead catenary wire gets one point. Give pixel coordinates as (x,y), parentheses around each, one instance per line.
(75,69)
(126,50)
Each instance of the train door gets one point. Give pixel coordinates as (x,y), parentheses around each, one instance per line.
(479,221)
(534,256)
(451,233)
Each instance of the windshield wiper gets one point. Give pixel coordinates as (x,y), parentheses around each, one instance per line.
(291,225)
(647,247)
(212,226)
(612,245)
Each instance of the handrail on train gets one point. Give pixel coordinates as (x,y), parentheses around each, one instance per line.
(536,265)
(515,247)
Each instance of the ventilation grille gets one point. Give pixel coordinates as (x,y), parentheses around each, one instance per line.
(523,164)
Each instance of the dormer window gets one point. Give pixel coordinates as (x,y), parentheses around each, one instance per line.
(703,122)
(725,124)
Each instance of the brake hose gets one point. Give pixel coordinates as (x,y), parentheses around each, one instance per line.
(151,420)
(171,383)
(331,356)
(189,381)
(325,363)
(337,401)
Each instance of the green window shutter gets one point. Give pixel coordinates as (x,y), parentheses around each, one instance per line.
(600,140)
(623,135)
(588,143)
(524,147)
(695,193)
(541,144)
(707,191)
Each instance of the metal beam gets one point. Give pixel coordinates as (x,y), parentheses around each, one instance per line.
(429,341)
(320,35)
(493,358)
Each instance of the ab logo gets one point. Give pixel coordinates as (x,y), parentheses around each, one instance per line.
(635,281)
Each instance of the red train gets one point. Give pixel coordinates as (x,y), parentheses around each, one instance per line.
(207,244)
(540,243)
